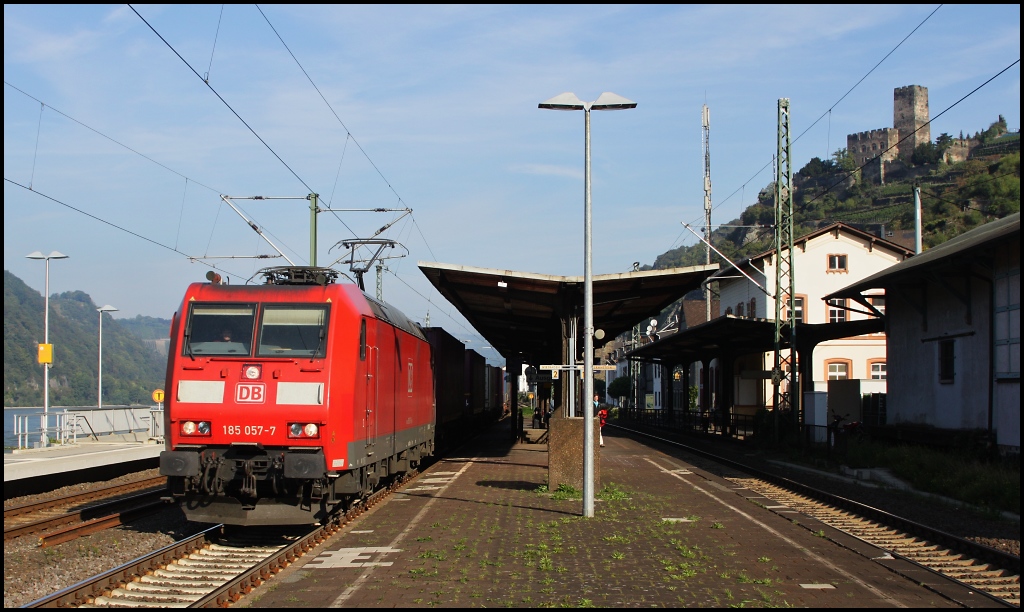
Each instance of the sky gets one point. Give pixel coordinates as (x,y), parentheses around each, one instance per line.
(434,108)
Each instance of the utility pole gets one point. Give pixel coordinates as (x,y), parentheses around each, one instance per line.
(706,142)
(784,365)
(917,220)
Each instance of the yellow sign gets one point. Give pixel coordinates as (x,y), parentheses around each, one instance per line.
(45,353)
(158,396)
(530,396)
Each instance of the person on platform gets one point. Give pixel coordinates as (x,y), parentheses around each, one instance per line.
(602,414)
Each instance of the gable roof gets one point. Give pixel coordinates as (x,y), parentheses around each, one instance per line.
(958,248)
(802,241)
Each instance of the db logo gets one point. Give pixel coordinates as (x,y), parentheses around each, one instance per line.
(253,393)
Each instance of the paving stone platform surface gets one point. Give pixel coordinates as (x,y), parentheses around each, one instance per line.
(475,531)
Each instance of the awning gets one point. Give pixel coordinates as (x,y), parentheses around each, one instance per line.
(521,313)
(732,335)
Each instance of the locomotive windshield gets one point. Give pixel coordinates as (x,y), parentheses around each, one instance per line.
(220,329)
(293,331)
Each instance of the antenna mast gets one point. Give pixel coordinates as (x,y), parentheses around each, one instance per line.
(706,142)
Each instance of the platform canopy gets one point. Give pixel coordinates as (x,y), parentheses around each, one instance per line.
(732,335)
(521,314)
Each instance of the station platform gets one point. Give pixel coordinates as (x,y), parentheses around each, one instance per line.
(478,529)
(112,452)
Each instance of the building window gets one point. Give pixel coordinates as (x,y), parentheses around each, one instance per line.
(836,311)
(739,309)
(837,263)
(947,370)
(798,308)
(838,369)
(877,369)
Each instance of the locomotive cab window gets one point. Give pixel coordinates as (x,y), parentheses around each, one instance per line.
(293,331)
(219,329)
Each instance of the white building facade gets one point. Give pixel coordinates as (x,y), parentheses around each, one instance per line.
(824,261)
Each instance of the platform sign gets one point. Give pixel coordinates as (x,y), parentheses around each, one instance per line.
(158,396)
(604,367)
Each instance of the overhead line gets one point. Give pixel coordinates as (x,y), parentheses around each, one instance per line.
(836,103)
(926,124)
(99,133)
(221,98)
(348,132)
(868,73)
(116,226)
(431,302)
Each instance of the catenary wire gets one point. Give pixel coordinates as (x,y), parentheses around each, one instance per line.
(836,103)
(142,155)
(225,102)
(118,227)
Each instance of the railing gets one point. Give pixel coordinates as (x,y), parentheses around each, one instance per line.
(67,426)
(740,426)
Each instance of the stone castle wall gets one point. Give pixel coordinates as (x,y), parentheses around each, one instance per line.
(871,144)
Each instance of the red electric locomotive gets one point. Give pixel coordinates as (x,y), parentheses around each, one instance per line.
(289,399)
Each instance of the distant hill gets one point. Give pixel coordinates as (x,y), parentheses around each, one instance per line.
(955,198)
(133,361)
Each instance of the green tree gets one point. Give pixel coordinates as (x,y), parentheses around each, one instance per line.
(925,153)
(844,160)
(620,387)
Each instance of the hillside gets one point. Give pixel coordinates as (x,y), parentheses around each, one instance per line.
(955,198)
(132,367)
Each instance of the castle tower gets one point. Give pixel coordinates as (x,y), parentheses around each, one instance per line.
(909,113)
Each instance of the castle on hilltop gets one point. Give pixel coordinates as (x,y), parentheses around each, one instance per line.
(910,129)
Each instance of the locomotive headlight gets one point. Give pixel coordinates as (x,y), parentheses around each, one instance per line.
(204,428)
(303,430)
(188,428)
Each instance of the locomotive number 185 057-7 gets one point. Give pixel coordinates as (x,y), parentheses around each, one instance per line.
(249,430)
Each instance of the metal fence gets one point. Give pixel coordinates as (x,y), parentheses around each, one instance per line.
(72,425)
(831,440)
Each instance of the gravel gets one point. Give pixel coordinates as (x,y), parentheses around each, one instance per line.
(31,572)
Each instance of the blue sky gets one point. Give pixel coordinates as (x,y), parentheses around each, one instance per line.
(443,102)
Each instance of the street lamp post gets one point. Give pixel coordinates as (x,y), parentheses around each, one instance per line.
(99,371)
(569,102)
(46,339)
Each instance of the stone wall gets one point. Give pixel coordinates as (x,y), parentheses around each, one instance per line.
(871,144)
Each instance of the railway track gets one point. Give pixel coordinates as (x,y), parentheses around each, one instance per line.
(127,503)
(213,568)
(980,568)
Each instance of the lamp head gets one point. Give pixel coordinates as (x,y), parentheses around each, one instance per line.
(107,308)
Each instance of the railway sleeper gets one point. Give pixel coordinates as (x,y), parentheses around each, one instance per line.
(170,582)
(173,589)
(167,598)
(998,581)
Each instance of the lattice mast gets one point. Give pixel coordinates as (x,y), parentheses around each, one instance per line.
(784,366)
(706,144)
